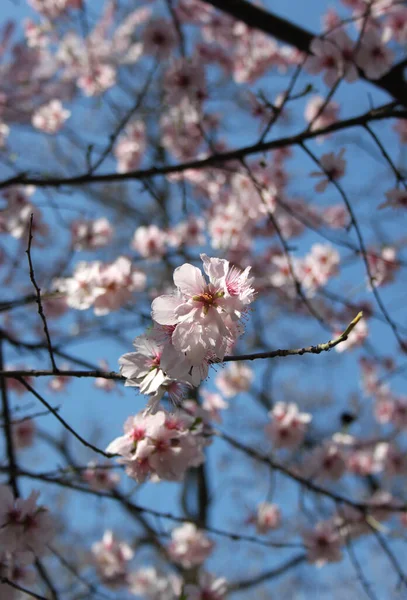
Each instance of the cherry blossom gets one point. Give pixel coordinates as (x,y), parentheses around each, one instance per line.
(25,526)
(209,587)
(155,368)
(110,557)
(333,168)
(334,56)
(100,476)
(130,147)
(23,433)
(288,426)
(268,517)
(206,316)
(4,132)
(14,384)
(159,444)
(213,404)
(395,26)
(235,378)
(106,287)
(150,242)
(189,546)
(97,79)
(320,114)
(108,385)
(373,56)
(159,38)
(185,79)
(58,383)
(90,235)
(16,568)
(327,462)
(51,117)
(49,8)
(323,544)
(383,266)
(395,198)
(148,583)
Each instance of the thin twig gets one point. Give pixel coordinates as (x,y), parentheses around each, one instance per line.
(38,299)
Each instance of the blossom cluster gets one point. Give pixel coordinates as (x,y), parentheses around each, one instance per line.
(26,529)
(105,287)
(313,270)
(196,325)
(160,446)
(189,547)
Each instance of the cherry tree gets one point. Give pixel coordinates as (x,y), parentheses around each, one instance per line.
(202,257)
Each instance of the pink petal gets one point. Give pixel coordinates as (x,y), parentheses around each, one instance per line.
(163,310)
(189,280)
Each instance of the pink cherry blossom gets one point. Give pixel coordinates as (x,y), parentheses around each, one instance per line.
(23,433)
(209,587)
(333,168)
(51,117)
(4,133)
(155,369)
(159,38)
(373,56)
(106,287)
(392,458)
(37,35)
(399,412)
(364,462)
(110,557)
(327,462)
(148,583)
(235,378)
(51,9)
(321,114)
(268,517)
(396,25)
(24,525)
(90,235)
(108,385)
(333,56)
(205,316)
(130,147)
(185,79)
(288,426)
(97,79)
(150,242)
(395,198)
(213,404)
(188,233)
(323,544)
(189,546)
(160,444)
(58,383)
(100,476)
(383,266)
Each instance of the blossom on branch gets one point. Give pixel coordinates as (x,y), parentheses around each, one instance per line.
(160,445)
(288,426)
(51,117)
(110,557)
(206,316)
(189,546)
